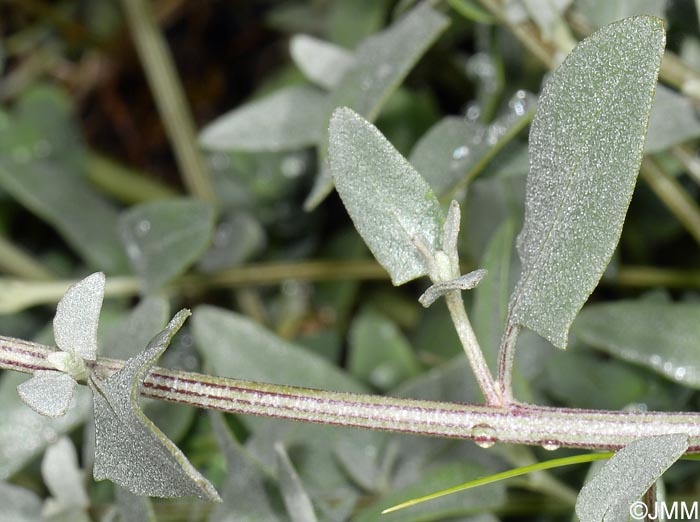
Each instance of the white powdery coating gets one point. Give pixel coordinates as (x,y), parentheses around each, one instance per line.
(130,450)
(661,336)
(389,202)
(48,393)
(322,62)
(586,145)
(77,316)
(627,476)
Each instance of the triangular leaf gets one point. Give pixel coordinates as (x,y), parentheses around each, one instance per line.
(77,317)
(48,393)
(389,202)
(586,145)
(627,476)
(130,450)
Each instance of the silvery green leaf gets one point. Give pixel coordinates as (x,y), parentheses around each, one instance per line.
(133,508)
(586,144)
(607,497)
(603,12)
(324,63)
(295,497)
(379,353)
(42,159)
(235,346)
(238,237)
(162,239)
(291,118)
(18,504)
(25,434)
(244,492)
(63,477)
(130,450)
(77,317)
(463,282)
(131,335)
(382,61)
(658,335)
(48,393)
(389,202)
(448,153)
(673,120)
(490,305)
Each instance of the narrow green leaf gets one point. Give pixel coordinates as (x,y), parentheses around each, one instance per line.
(379,353)
(322,62)
(586,144)
(130,450)
(235,346)
(446,508)
(498,477)
(627,476)
(291,118)
(382,61)
(673,120)
(295,497)
(162,239)
(389,202)
(664,337)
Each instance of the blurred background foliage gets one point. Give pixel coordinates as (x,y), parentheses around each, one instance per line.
(203,185)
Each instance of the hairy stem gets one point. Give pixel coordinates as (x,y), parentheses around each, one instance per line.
(516,424)
(471,347)
(169,97)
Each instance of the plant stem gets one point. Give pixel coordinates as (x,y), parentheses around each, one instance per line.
(506,360)
(124,184)
(481,371)
(673,195)
(17,262)
(515,424)
(169,97)
(650,276)
(689,159)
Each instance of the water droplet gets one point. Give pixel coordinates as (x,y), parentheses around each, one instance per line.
(484,435)
(550,445)
(680,373)
(473,111)
(293,166)
(480,67)
(460,152)
(520,103)
(655,360)
(143,227)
